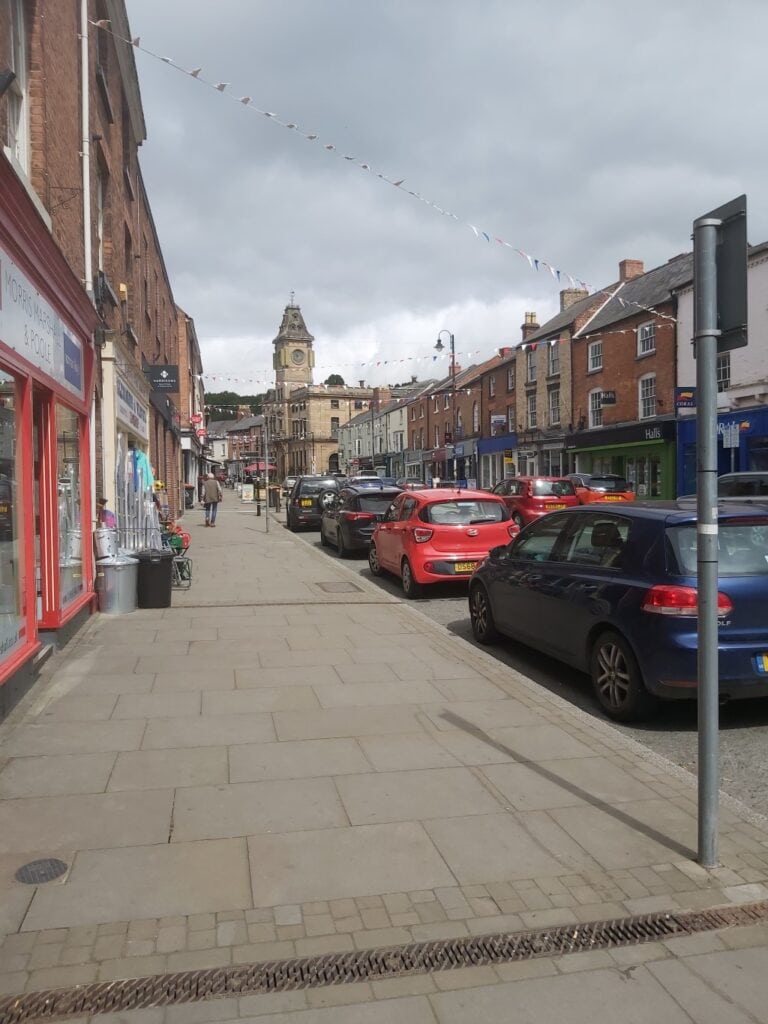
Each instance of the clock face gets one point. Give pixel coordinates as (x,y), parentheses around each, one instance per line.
(297,356)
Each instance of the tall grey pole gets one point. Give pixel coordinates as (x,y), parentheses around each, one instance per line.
(266,468)
(705,335)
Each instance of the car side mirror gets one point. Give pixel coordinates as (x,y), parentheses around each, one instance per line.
(499,552)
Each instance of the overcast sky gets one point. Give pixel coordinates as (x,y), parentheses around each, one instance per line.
(579,132)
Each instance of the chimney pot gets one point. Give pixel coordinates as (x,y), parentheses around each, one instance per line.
(529,326)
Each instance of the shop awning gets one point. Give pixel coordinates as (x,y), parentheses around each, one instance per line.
(258,467)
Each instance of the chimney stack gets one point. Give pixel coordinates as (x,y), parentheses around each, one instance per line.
(568,296)
(362,383)
(630,269)
(530,326)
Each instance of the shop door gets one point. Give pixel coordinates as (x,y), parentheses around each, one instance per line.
(40,423)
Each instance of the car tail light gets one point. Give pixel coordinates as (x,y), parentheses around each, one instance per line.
(513,529)
(358,517)
(671,600)
(421,535)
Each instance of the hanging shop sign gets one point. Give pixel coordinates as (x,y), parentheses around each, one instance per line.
(685,398)
(31,326)
(196,417)
(163,378)
(130,410)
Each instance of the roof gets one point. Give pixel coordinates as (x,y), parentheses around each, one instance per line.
(645,292)
(244,423)
(217,428)
(567,316)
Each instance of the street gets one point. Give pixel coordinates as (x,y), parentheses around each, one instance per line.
(673,734)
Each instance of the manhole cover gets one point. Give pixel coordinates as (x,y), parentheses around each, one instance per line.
(38,871)
(339,588)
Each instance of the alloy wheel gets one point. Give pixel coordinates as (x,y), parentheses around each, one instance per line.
(613,677)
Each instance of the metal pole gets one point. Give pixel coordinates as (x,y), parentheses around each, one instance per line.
(705,335)
(453,404)
(266,468)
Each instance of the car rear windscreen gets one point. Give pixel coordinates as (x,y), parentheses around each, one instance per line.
(608,483)
(742,548)
(317,486)
(552,488)
(376,502)
(742,487)
(466,512)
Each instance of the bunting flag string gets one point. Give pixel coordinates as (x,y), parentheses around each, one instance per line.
(535,263)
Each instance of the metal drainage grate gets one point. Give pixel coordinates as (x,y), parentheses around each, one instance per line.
(371,964)
(39,871)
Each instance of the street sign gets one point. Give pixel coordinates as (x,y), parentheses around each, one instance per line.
(731,435)
(731,260)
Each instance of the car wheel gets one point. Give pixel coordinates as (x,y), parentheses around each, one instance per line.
(411,588)
(292,524)
(373,561)
(617,680)
(341,549)
(326,499)
(481,616)
(518,519)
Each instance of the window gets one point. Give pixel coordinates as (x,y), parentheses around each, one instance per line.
(511,377)
(334,426)
(413,412)
(594,356)
(538,542)
(101,196)
(492,385)
(551,462)
(475,418)
(334,403)
(723,371)
(437,404)
(18,112)
(358,446)
(437,436)
(530,366)
(446,400)
(553,360)
(358,403)
(647,395)
(646,339)
(595,408)
(531,414)
(511,419)
(69,502)
(421,411)
(12,623)
(554,406)
(598,540)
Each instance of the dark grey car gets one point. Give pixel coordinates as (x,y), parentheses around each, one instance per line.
(309,497)
(350,519)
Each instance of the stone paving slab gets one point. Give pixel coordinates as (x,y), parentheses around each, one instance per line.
(556,818)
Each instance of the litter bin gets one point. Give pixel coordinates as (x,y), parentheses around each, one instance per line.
(155,576)
(189,495)
(116,585)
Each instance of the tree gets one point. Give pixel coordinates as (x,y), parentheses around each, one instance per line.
(223,405)
(335,378)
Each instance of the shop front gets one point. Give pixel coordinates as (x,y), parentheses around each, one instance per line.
(742,445)
(46,377)
(643,453)
(496,457)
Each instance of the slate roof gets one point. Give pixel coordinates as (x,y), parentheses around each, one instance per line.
(649,290)
(567,316)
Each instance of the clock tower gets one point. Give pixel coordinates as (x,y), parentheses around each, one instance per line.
(294,357)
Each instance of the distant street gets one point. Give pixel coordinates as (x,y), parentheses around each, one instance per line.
(744,765)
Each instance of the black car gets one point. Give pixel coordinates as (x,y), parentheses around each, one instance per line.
(350,518)
(309,497)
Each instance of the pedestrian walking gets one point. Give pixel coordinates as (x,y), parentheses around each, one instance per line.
(212,495)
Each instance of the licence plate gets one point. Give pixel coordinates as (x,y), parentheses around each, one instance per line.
(556,505)
(465,567)
(612,497)
(306,503)
(761,664)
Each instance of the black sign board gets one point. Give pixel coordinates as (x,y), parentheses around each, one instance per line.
(163,378)
(731,258)
(608,398)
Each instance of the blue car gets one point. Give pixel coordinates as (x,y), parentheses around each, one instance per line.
(613,593)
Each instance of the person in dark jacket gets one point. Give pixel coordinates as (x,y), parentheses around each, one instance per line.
(212,495)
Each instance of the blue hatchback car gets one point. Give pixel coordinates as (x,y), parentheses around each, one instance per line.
(613,593)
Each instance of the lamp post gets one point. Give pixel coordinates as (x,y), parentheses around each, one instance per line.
(439,348)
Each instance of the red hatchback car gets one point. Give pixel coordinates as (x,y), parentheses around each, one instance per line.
(528,497)
(438,535)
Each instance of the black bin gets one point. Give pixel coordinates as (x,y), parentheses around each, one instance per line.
(155,577)
(189,495)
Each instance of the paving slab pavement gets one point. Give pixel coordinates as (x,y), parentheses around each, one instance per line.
(289,761)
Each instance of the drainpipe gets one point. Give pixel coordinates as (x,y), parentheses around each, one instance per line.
(86,150)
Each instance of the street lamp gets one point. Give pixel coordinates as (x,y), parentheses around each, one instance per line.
(439,348)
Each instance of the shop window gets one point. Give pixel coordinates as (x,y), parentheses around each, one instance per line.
(11,619)
(69,501)
(595,356)
(647,396)
(723,371)
(596,408)
(646,339)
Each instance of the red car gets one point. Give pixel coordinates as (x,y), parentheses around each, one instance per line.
(438,535)
(528,497)
(607,488)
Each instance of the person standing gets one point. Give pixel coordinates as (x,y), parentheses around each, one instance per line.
(212,495)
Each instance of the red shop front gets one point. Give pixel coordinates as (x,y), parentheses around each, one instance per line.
(46,380)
